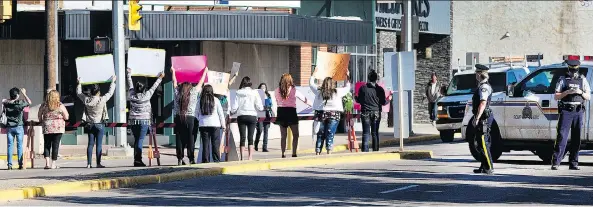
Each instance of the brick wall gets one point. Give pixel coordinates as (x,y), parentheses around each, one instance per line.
(300,60)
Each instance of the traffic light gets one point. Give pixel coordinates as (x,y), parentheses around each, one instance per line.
(5,10)
(134,15)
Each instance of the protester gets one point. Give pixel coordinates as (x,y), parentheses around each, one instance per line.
(211,119)
(327,111)
(246,105)
(372,99)
(186,99)
(286,96)
(14,108)
(225,107)
(52,115)
(95,115)
(432,94)
(140,114)
(262,127)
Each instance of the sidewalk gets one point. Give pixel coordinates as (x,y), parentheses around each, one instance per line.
(73,169)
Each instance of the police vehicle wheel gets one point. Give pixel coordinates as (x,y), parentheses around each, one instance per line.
(495,148)
(447,135)
(546,155)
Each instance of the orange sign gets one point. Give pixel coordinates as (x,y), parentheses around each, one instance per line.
(333,65)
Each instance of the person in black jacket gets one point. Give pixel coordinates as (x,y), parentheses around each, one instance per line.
(371,98)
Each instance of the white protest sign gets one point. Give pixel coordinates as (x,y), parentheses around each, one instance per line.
(235,69)
(302,108)
(95,69)
(146,61)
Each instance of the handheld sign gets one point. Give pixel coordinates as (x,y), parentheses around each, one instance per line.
(219,82)
(333,65)
(235,69)
(146,61)
(95,69)
(189,68)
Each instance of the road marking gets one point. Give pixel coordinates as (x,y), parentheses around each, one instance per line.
(322,203)
(399,189)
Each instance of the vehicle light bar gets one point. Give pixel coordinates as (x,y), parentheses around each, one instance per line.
(588,58)
(571,57)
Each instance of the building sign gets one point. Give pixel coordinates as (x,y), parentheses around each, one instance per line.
(230,3)
(434,16)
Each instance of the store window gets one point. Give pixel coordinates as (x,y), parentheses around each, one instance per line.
(314,58)
(362,60)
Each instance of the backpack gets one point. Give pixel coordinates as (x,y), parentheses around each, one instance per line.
(3,118)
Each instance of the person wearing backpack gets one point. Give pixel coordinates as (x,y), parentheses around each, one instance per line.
(13,109)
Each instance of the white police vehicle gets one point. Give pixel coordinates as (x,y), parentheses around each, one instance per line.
(525,117)
(451,107)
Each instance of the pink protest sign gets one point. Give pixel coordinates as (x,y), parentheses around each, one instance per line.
(360,84)
(189,68)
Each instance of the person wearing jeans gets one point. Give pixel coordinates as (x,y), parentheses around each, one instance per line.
(432,93)
(371,98)
(95,115)
(328,108)
(140,112)
(14,108)
(246,105)
(264,126)
(52,114)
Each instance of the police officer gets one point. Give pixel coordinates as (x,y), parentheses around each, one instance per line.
(571,90)
(482,120)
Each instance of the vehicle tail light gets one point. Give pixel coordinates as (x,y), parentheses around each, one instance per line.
(571,57)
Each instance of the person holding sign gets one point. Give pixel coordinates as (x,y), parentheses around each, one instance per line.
(286,96)
(95,114)
(328,110)
(262,127)
(246,105)
(185,105)
(140,114)
(13,110)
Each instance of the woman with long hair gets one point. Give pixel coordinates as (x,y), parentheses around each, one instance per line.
(262,127)
(328,109)
(95,115)
(185,104)
(211,119)
(246,105)
(286,96)
(140,115)
(52,116)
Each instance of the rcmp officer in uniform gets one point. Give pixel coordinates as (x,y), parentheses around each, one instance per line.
(483,119)
(571,90)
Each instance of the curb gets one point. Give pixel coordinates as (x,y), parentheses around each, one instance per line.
(215,169)
(384,143)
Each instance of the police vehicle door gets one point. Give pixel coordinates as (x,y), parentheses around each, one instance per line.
(529,110)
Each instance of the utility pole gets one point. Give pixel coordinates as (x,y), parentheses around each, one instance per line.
(119,61)
(51,43)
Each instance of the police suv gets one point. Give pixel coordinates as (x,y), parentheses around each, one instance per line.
(451,107)
(526,115)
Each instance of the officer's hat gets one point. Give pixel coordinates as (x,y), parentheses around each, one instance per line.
(481,68)
(573,63)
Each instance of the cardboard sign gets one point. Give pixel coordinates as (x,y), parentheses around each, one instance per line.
(146,62)
(333,65)
(219,82)
(359,84)
(235,69)
(95,69)
(189,68)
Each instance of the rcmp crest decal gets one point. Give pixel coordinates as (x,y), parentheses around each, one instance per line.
(527,113)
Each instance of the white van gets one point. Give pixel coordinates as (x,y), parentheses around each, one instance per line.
(525,117)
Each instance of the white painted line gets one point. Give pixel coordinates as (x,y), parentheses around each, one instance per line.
(399,189)
(322,203)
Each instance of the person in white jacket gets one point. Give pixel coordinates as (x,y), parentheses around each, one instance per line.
(211,118)
(328,108)
(246,104)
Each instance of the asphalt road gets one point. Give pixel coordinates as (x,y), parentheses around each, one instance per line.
(520,179)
